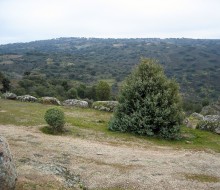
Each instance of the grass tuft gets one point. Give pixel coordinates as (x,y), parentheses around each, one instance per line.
(202,178)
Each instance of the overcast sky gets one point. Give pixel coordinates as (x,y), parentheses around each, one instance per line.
(28,20)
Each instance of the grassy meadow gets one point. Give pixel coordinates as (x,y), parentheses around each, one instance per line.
(93,124)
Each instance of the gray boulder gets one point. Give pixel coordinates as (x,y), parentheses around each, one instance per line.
(210,123)
(108,106)
(213,109)
(8,174)
(212,118)
(27,98)
(10,96)
(197,116)
(193,120)
(76,103)
(50,100)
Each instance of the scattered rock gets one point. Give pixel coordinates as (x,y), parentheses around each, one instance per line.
(27,98)
(10,96)
(193,120)
(8,174)
(213,109)
(99,153)
(108,106)
(70,180)
(212,118)
(187,123)
(50,100)
(210,123)
(76,103)
(197,116)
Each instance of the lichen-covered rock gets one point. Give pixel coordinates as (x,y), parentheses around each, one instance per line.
(76,103)
(50,100)
(197,116)
(213,109)
(193,120)
(108,106)
(212,118)
(8,174)
(27,98)
(10,96)
(210,123)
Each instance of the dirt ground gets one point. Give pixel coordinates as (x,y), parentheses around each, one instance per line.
(63,162)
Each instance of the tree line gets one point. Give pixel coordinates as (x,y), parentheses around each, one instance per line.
(38,85)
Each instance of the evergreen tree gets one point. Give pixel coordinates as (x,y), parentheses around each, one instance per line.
(5,84)
(103,91)
(81,90)
(149,103)
(72,93)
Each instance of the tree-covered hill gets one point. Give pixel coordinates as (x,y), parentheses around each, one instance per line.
(194,63)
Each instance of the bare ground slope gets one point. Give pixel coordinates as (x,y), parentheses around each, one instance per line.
(59,162)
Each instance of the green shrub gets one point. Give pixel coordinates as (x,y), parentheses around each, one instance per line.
(72,93)
(103,91)
(55,118)
(149,103)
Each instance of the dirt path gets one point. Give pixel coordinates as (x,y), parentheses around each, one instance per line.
(57,162)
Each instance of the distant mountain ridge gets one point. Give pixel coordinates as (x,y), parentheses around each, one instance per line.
(195,63)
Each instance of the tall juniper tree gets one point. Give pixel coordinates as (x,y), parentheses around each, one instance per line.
(149,103)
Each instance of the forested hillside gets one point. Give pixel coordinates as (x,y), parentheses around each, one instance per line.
(194,63)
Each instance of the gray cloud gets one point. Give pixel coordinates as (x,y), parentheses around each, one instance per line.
(27,20)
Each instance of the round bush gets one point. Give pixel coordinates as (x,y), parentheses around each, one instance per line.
(55,118)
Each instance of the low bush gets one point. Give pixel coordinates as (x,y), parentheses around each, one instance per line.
(55,118)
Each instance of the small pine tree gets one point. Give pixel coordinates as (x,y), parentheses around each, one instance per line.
(149,103)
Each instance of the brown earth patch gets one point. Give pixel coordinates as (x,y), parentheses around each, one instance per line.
(63,162)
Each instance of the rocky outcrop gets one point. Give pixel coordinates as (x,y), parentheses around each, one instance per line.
(213,109)
(210,123)
(212,118)
(27,98)
(10,96)
(50,100)
(76,103)
(108,106)
(193,120)
(8,174)
(197,116)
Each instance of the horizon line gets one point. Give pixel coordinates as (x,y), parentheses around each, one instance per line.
(105,38)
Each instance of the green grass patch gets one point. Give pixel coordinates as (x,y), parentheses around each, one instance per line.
(50,131)
(90,123)
(22,113)
(113,188)
(202,178)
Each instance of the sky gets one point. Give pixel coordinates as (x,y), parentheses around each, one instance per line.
(30,20)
